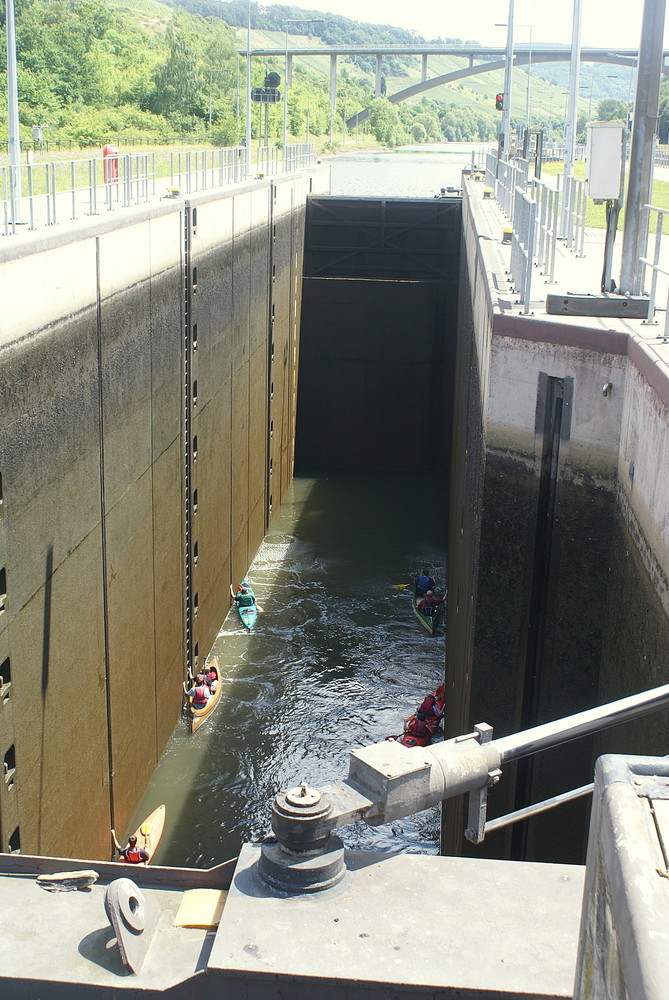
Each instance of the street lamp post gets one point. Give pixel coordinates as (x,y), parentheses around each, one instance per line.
(551,123)
(508,74)
(585,86)
(237,105)
(529,78)
(286,80)
(284,134)
(211,85)
(529,71)
(14,137)
(247,158)
(572,105)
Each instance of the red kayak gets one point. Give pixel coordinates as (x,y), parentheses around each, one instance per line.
(418,732)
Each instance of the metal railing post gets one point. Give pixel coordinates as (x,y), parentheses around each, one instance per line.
(31,204)
(54,213)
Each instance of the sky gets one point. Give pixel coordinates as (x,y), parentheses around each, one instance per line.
(603,22)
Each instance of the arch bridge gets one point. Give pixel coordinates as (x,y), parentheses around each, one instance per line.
(491,60)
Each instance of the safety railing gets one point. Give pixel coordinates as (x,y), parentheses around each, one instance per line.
(572,727)
(522,246)
(268,161)
(558,214)
(658,272)
(58,191)
(297,156)
(574,205)
(203,169)
(509,175)
(548,221)
(662,156)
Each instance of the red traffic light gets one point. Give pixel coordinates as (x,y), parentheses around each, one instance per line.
(499,102)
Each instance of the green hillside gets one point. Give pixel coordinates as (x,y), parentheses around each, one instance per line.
(93,71)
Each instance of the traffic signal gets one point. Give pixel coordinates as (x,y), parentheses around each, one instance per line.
(499,102)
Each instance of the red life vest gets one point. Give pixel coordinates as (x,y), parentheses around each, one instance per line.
(429,705)
(133,856)
(418,727)
(201,695)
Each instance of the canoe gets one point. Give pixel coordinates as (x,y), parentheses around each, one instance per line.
(429,622)
(150,831)
(409,739)
(247,615)
(198,716)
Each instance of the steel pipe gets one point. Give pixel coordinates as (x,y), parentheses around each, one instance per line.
(582,724)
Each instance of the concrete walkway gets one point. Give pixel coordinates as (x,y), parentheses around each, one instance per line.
(573,275)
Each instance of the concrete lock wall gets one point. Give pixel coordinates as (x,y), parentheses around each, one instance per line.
(541,625)
(147,394)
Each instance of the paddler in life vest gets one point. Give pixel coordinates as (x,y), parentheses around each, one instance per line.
(430,708)
(417,726)
(428,606)
(199,693)
(131,853)
(424,582)
(243,599)
(211,679)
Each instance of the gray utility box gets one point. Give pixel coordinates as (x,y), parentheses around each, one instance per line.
(604,160)
(624,938)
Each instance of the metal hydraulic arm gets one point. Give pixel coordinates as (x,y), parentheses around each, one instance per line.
(387,781)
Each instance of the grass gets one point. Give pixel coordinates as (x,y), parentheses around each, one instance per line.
(595,215)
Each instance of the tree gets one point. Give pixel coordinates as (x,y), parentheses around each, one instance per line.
(418,133)
(430,124)
(611,110)
(385,122)
(179,81)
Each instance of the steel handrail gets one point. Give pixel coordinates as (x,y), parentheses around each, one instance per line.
(539,807)
(572,727)
(496,752)
(125,179)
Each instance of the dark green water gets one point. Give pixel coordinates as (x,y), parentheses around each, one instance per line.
(337,661)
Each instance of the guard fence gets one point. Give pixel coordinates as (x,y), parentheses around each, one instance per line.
(655,218)
(560,217)
(559,214)
(53,192)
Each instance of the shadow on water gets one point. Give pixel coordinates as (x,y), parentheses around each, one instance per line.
(337,661)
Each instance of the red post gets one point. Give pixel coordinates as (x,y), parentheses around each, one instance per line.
(110,163)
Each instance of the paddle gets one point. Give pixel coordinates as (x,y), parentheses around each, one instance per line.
(400,586)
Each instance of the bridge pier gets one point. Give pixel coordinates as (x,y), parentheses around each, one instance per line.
(377,79)
(333,83)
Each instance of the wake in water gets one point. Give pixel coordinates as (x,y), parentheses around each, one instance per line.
(337,661)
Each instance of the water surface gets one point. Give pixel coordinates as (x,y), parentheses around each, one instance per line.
(336,661)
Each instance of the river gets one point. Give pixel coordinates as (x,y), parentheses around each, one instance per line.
(337,659)
(408,172)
